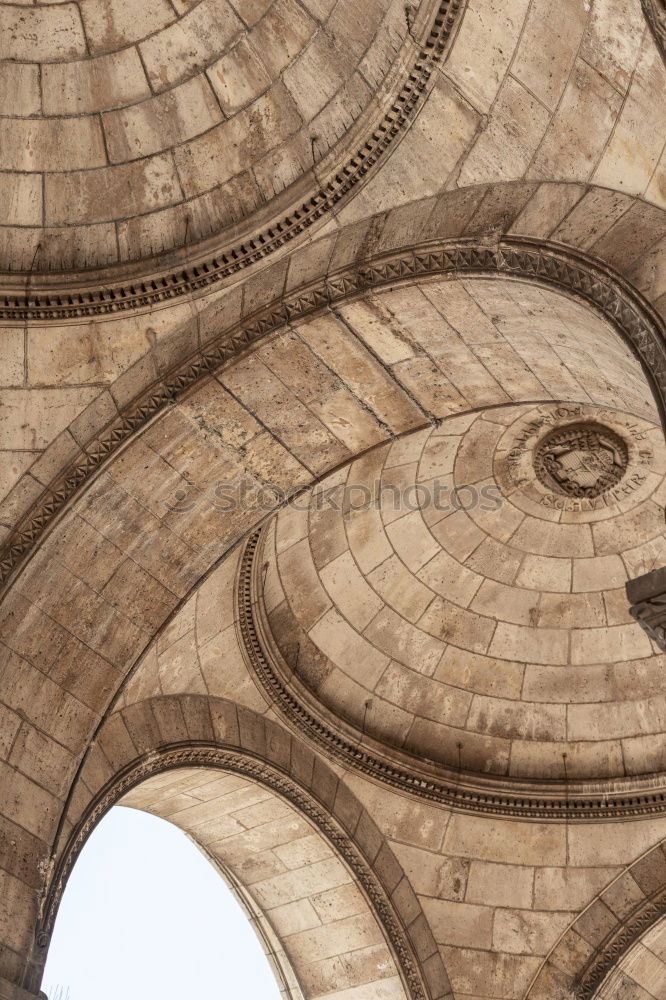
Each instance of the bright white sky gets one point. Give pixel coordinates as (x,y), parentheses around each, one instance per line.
(145,916)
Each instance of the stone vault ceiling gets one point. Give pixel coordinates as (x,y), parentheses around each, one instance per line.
(235,127)
(133,128)
(489,626)
(403,264)
(488,630)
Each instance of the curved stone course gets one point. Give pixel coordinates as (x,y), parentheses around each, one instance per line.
(438,597)
(160,126)
(283,791)
(640,328)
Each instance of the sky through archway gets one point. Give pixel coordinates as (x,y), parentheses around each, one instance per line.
(145,914)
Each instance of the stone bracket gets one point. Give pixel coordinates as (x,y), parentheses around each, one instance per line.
(647,597)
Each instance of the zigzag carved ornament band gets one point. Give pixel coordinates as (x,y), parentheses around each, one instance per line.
(550,265)
(580,962)
(39,298)
(458,790)
(245,764)
(618,942)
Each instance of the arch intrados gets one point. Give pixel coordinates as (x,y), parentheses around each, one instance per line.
(550,265)
(281,966)
(249,861)
(137,894)
(231,740)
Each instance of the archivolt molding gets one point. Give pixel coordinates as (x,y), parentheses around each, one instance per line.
(655,12)
(460,790)
(41,299)
(619,942)
(583,957)
(550,265)
(243,763)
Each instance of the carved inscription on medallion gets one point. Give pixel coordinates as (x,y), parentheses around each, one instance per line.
(581,460)
(575,457)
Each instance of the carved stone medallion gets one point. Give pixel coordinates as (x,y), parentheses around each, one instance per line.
(581,460)
(588,462)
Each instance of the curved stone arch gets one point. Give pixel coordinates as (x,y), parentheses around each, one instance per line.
(126,544)
(621,231)
(605,931)
(641,970)
(616,227)
(174,732)
(547,264)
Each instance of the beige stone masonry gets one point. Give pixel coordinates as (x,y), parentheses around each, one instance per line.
(392,278)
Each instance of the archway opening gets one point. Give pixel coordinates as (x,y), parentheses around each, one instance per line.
(146,914)
(321,913)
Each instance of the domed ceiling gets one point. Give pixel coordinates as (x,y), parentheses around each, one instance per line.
(134,128)
(459,595)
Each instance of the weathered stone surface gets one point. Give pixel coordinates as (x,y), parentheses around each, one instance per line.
(449,683)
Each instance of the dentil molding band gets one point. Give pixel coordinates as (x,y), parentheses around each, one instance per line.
(602,800)
(40,299)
